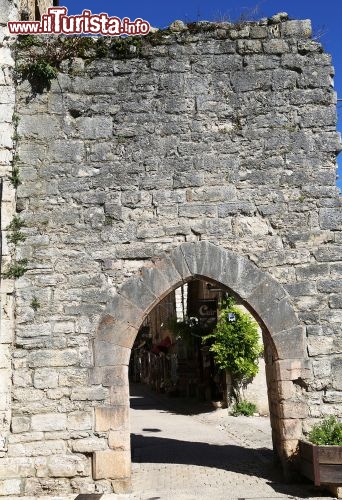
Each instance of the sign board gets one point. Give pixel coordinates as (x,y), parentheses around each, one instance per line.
(207,313)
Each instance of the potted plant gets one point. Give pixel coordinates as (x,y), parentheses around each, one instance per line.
(321,455)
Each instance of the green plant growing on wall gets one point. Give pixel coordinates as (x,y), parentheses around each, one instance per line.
(40,61)
(15,237)
(35,304)
(39,73)
(236,347)
(14,234)
(16,269)
(14,178)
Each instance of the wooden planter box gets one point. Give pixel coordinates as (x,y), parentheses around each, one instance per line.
(321,464)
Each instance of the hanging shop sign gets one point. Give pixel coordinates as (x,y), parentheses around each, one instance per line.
(207,312)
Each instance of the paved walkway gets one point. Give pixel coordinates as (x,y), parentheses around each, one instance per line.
(185,451)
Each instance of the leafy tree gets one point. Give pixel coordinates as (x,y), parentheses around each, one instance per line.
(236,346)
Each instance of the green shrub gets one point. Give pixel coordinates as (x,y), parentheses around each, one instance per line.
(328,432)
(243,407)
(16,270)
(235,344)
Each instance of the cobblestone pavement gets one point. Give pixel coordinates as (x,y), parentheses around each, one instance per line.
(188,451)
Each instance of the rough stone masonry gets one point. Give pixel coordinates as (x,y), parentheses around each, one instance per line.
(204,151)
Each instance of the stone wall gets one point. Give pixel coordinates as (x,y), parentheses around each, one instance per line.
(8,11)
(224,136)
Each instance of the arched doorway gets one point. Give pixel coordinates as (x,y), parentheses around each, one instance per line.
(286,363)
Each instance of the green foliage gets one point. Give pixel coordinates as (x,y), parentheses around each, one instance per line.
(35,304)
(16,269)
(15,237)
(39,73)
(328,432)
(235,344)
(16,224)
(158,37)
(14,178)
(243,407)
(42,61)
(126,47)
(15,119)
(102,48)
(26,41)
(201,27)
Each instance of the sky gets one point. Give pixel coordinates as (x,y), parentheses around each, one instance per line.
(326,17)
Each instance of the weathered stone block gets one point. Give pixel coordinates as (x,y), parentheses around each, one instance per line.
(319,345)
(106,354)
(42,126)
(334,397)
(276,46)
(38,487)
(300,29)
(44,378)
(187,179)
(20,424)
(119,440)
(136,291)
(247,81)
(291,428)
(289,342)
(312,271)
(293,409)
(109,375)
(95,127)
(80,420)
(125,311)
(47,357)
(116,332)
(119,395)
(285,389)
(10,487)
(293,369)
(194,210)
(111,464)
(249,46)
(88,445)
(68,466)
(92,393)
(122,486)
(49,422)
(36,449)
(156,281)
(331,218)
(335,301)
(111,418)
(336,372)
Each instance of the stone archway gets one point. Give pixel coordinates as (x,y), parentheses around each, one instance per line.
(287,367)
